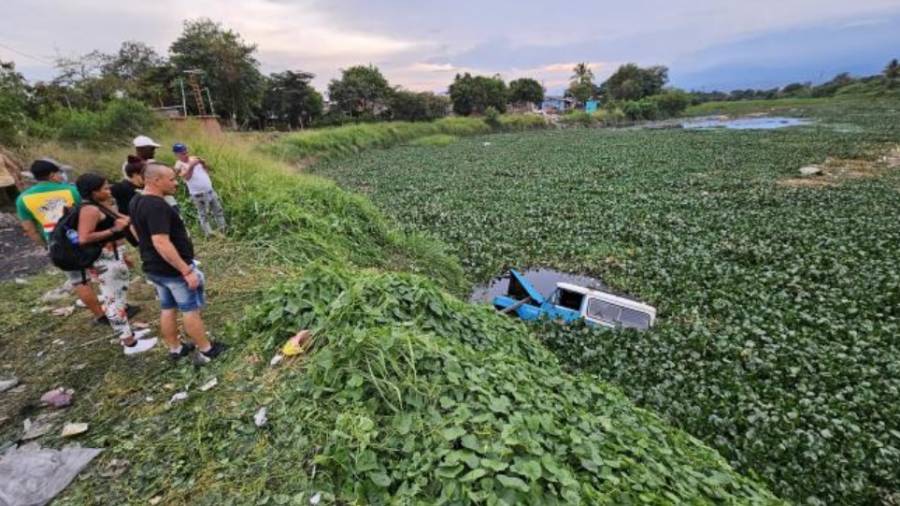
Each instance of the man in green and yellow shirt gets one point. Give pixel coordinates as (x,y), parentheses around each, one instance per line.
(40,207)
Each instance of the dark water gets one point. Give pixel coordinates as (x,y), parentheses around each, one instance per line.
(543,280)
(761,123)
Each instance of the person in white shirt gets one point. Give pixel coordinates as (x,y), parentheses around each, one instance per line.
(145,149)
(195,173)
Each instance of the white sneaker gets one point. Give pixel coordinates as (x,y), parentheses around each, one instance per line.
(140,346)
(140,334)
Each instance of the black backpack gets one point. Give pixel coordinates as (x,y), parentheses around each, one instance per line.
(74,257)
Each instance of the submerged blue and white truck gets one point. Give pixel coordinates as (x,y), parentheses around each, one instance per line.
(569,302)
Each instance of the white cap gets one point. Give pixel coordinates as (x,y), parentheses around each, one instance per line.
(143,141)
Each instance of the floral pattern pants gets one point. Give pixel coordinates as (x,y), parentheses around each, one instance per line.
(113,276)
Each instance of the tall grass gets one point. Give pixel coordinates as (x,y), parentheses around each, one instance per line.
(335,141)
(299,217)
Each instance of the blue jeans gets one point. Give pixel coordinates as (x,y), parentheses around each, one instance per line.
(174,292)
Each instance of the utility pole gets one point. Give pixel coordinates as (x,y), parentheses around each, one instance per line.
(212,110)
(183,98)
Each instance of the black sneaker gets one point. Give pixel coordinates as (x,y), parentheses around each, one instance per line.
(186,349)
(130,310)
(204,357)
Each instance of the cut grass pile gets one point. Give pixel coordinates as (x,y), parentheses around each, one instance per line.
(778,305)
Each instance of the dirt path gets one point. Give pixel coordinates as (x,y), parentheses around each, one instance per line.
(18,255)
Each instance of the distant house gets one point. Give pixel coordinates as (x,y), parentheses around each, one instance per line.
(557,105)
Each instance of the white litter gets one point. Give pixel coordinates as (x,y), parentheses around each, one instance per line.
(209,385)
(45,471)
(180,396)
(314,500)
(260,418)
(9,383)
(276,360)
(74,429)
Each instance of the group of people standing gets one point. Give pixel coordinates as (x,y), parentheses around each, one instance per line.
(140,209)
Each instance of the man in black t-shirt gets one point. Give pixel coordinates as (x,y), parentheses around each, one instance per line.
(126,189)
(167,254)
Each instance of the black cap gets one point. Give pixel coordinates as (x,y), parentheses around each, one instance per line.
(41,169)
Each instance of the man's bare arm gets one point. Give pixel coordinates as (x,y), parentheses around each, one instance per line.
(32,233)
(163,245)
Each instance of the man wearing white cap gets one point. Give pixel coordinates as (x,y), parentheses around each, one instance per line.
(145,149)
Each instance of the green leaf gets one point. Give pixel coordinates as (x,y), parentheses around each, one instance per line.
(512,482)
(381,479)
(473,475)
(452,433)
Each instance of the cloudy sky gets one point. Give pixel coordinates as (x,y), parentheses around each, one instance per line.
(708,44)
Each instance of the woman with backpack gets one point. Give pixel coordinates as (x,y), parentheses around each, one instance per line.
(99,222)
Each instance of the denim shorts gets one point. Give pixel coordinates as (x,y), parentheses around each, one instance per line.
(174,293)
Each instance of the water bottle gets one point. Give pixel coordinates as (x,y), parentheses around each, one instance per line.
(72,235)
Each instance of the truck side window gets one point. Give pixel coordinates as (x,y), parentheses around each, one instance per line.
(634,319)
(603,310)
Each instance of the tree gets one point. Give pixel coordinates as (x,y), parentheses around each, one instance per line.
(831,87)
(892,73)
(411,106)
(230,69)
(631,82)
(13,102)
(361,91)
(581,86)
(526,90)
(290,99)
(475,94)
(83,82)
(143,74)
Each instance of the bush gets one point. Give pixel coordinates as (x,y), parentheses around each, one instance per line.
(118,120)
(643,109)
(609,117)
(411,106)
(521,122)
(492,117)
(671,103)
(577,118)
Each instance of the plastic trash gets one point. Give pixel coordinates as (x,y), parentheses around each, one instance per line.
(297,344)
(180,396)
(63,311)
(58,397)
(35,429)
(260,418)
(74,429)
(8,384)
(47,472)
(315,499)
(209,385)
(276,359)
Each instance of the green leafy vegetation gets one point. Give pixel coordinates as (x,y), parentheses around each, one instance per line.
(407,395)
(777,335)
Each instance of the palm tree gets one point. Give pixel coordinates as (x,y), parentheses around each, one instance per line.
(583,74)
